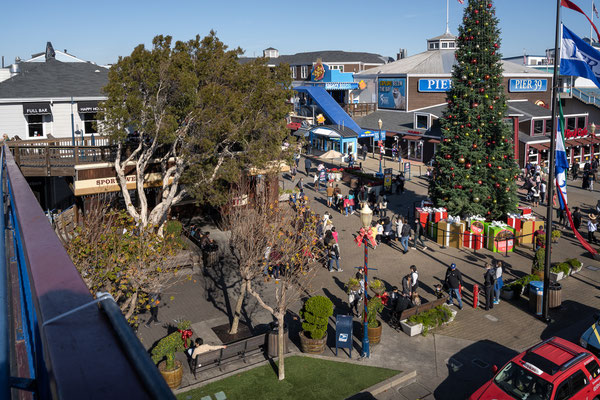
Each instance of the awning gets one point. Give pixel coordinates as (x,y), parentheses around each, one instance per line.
(433,141)
(540,146)
(341,85)
(326,132)
(409,137)
(36,108)
(294,125)
(301,132)
(87,106)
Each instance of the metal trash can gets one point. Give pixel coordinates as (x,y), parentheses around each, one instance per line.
(554,295)
(210,256)
(536,294)
(273,341)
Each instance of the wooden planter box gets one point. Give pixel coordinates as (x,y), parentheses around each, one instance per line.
(411,330)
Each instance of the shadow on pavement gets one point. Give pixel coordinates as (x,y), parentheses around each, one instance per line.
(470,368)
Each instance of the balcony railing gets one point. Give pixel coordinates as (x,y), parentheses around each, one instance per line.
(59,342)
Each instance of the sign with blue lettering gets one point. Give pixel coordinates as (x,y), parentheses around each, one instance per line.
(392,93)
(435,85)
(527,85)
(343,332)
(341,85)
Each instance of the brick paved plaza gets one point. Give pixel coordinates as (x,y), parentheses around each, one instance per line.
(452,361)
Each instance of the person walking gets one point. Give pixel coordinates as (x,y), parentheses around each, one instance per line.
(535,192)
(153,301)
(354,296)
(316,182)
(364,150)
(454,281)
(576,218)
(398,224)
(418,235)
(307,165)
(405,235)
(542,192)
(414,279)
(300,186)
(499,282)
(330,194)
(382,206)
(592,178)
(489,279)
(400,183)
(334,257)
(592,228)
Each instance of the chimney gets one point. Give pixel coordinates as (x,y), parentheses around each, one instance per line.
(50,51)
(15,68)
(401,54)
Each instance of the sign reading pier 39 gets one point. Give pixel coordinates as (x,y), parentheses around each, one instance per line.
(528,85)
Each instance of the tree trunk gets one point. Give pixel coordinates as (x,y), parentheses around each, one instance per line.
(280,348)
(238,309)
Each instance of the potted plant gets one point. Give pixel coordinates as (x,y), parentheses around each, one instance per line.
(316,313)
(374,306)
(377,286)
(353,284)
(556,274)
(539,259)
(575,264)
(171,369)
(431,318)
(555,236)
(507,292)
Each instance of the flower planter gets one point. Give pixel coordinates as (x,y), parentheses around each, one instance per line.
(574,271)
(507,294)
(556,276)
(173,378)
(411,330)
(312,346)
(337,176)
(452,311)
(374,334)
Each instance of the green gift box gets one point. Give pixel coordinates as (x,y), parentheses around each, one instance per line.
(499,237)
(432,230)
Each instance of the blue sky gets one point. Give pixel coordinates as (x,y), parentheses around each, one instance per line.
(103,30)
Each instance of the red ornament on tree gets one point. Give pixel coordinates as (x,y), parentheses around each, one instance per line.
(489,165)
(468,165)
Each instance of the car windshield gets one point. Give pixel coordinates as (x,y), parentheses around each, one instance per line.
(521,383)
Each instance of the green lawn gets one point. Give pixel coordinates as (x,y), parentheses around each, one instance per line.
(305,379)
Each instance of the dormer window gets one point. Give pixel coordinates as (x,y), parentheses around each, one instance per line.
(451,45)
(444,45)
(422,121)
(431,45)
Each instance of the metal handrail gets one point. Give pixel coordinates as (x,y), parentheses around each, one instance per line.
(88,353)
(4,312)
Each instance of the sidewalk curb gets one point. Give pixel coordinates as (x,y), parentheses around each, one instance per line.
(400,380)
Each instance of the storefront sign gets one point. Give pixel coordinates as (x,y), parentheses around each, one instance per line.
(569,134)
(318,71)
(528,85)
(435,85)
(87,107)
(36,108)
(392,93)
(341,85)
(387,179)
(110,184)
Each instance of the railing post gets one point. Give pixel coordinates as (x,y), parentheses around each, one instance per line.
(47,150)
(76,154)
(4,325)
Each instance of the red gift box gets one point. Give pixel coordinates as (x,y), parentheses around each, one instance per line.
(525,210)
(422,216)
(437,216)
(473,240)
(514,222)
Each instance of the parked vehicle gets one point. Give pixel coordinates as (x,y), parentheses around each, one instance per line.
(554,369)
(590,340)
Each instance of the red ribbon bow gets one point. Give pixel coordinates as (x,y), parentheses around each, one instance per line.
(384,298)
(362,233)
(185,334)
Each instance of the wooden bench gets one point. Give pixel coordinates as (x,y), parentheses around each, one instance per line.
(237,350)
(409,312)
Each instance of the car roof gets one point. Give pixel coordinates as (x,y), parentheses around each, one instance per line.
(552,358)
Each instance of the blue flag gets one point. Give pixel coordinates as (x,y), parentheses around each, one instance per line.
(577,58)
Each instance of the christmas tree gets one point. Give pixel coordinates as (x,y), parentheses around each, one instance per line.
(474,169)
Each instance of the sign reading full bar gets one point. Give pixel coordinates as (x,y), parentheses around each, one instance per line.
(36,108)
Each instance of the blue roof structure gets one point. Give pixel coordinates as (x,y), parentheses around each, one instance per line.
(331,109)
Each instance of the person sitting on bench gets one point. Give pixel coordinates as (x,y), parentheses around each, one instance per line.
(201,348)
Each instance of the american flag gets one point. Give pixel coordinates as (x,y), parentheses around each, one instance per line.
(595,9)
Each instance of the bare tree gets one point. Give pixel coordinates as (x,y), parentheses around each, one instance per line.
(280,239)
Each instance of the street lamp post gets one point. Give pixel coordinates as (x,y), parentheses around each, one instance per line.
(380,123)
(592,136)
(366,216)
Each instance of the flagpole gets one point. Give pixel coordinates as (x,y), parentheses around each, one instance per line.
(551,167)
(591,32)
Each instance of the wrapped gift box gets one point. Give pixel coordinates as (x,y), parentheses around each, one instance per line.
(438,214)
(457,231)
(500,237)
(525,210)
(527,229)
(514,221)
(473,240)
(432,230)
(423,216)
(443,233)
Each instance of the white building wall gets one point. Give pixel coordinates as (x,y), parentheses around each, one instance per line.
(61,119)
(12,121)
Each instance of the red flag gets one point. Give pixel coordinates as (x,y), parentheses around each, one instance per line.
(583,242)
(573,6)
(461,1)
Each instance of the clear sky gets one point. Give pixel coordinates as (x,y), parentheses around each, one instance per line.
(100,31)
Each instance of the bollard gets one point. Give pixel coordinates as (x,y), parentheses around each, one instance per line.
(475,295)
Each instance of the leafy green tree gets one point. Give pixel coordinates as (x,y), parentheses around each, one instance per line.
(201,115)
(475,170)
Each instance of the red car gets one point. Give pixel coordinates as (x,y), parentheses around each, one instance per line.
(552,370)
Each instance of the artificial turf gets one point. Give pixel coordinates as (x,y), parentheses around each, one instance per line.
(305,379)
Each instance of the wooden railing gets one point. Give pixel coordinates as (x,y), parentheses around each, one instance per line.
(360,109)
(63,142)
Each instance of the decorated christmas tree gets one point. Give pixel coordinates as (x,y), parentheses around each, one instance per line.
(474,168)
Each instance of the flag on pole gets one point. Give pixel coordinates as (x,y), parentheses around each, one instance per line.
(562,165)
(461,1)
(595,10)
(577,58)
(569,4)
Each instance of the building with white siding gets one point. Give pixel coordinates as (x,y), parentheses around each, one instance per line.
(40,99)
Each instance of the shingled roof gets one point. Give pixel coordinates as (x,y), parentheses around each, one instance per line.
(55,79)
(328,56)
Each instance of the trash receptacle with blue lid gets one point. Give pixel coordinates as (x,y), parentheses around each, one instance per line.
(536,295)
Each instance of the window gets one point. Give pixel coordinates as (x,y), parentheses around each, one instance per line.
(563,392)
(451,45)
(338,67)
(293,71)
(35,125)
(571,124)
(431,45)
(437,45)
(578,382)
(548,126)
(444,45)
(422,122)
(580,122)
(89,123)
(538,127)
(304,71)
(593,369)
